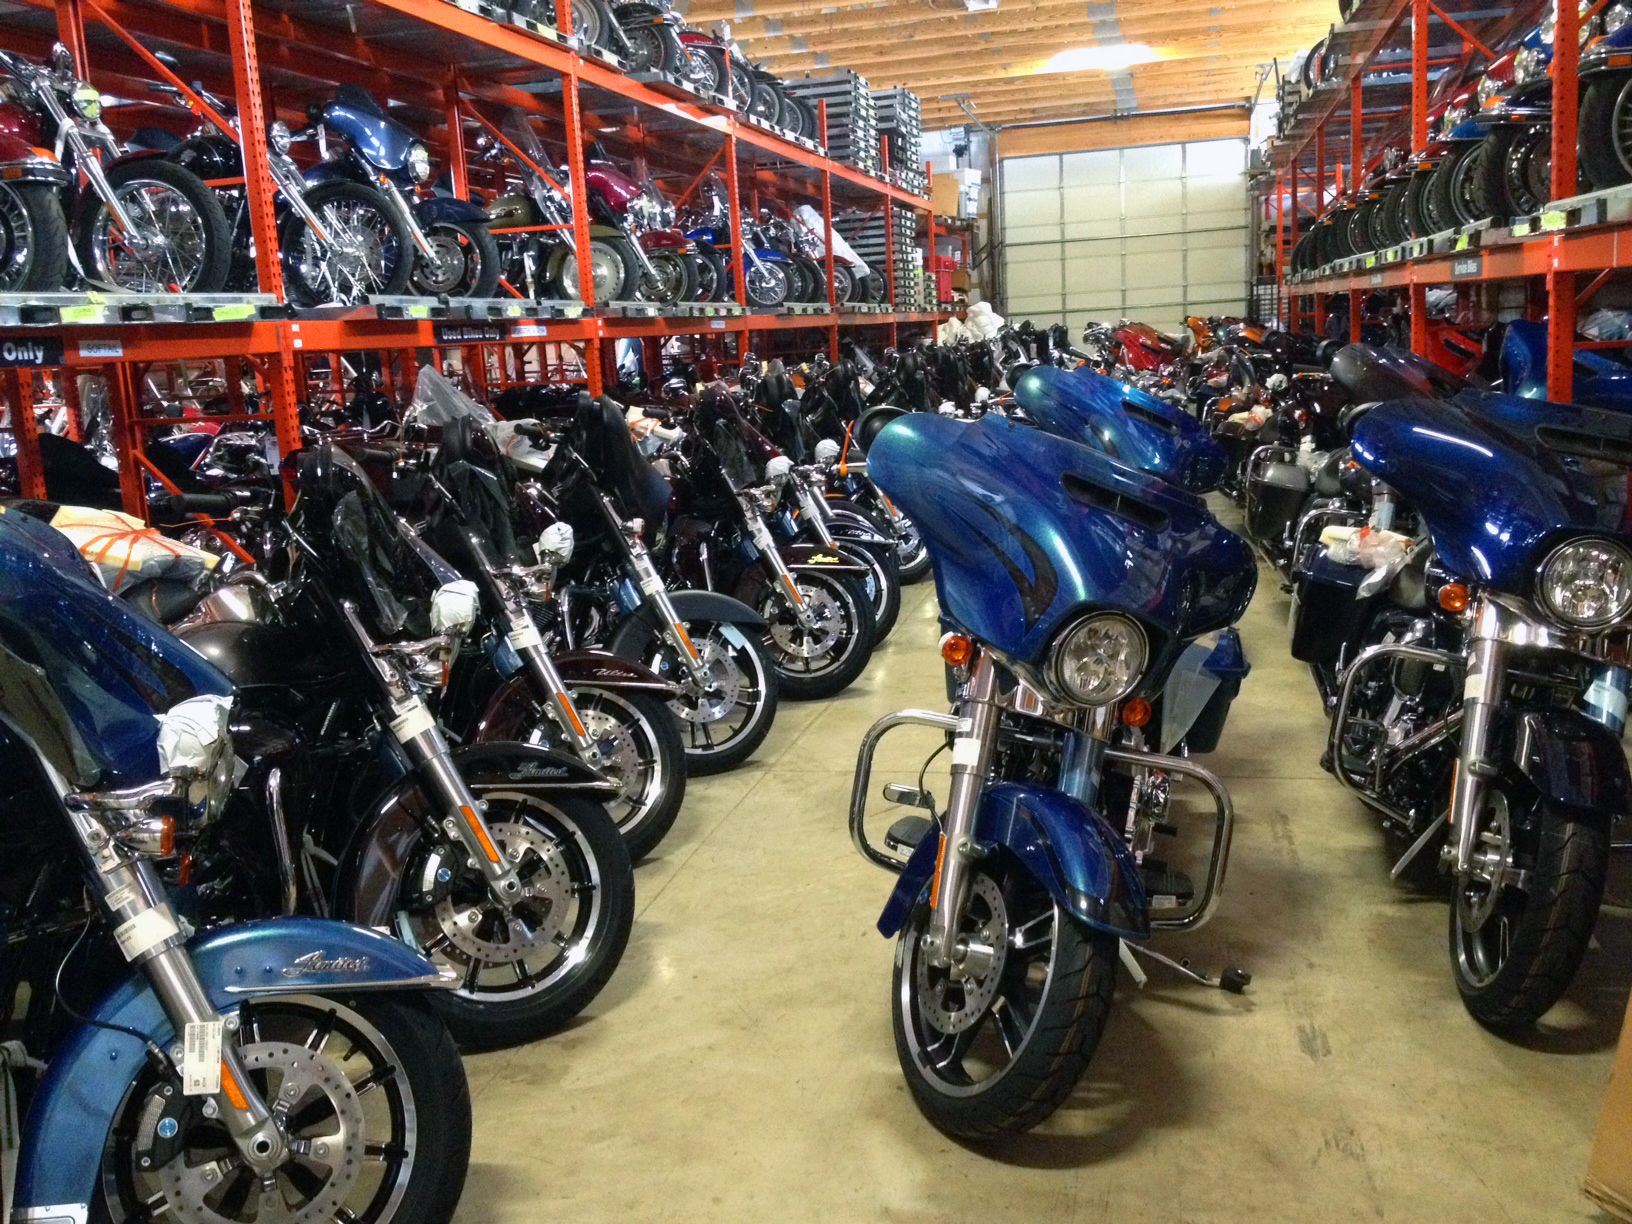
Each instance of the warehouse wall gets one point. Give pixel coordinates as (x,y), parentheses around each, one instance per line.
(1151,232)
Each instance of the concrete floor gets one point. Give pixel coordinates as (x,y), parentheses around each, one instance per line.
(740,1065)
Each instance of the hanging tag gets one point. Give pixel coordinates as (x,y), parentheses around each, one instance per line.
(201,1059)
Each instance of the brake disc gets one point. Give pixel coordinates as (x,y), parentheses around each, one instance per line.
(793,638)
(952,1005)
(724,684)
(482,931)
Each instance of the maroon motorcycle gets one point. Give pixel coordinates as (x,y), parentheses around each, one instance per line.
(33,229)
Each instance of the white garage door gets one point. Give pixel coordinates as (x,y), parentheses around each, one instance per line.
(1151,233)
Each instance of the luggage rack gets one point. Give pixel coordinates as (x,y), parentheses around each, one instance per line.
(94,308)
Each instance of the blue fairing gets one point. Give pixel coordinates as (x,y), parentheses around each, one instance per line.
(1202,461)
(111,668)
(382,140)
(713,237)
(1064,405)
(1491,502)
(1599,381)
(770,255)
(79,1096)
(1068,848)
(1027,530)
(449,208)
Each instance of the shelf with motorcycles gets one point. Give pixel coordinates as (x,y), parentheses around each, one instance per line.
(356,776)
(358,211)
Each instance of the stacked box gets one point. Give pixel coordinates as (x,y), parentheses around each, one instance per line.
(866,235)
(852,118)
(901,118)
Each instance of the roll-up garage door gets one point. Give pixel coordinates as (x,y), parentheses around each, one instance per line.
(1151,233)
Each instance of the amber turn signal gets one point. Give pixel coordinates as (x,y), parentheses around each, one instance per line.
(1136,713)
(1453,597)
(957,650)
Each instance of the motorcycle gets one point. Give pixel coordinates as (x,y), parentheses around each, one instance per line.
(34,235)
(145,226)
(338,240)
(1482,713)
(294,1061)
(496,860)
(1605,73)
(453,254)
(1072,588)
(768,272)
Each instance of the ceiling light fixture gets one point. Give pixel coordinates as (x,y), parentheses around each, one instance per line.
(1111,57)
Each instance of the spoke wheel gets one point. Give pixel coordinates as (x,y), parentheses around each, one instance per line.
(996,1041)
(33,239)
(172,255)
(589,23)
(368,254)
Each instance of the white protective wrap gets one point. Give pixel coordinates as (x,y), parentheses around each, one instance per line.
(453,607)
(192,735)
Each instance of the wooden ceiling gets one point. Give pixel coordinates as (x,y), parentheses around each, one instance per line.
(1210,49)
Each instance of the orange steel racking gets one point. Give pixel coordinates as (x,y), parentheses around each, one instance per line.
(442,68)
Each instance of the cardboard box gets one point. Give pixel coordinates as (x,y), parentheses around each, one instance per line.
(1609,1171)
(944,195)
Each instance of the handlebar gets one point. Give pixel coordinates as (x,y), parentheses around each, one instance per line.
(211,504)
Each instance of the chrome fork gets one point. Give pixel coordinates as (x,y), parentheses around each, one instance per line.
(1481,698)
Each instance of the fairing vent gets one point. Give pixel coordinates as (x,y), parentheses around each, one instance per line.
(1087,493)
(1140,413)
(1581,445)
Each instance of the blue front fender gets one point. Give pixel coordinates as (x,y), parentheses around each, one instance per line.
(89,1076)
(1070,850)
(449,208)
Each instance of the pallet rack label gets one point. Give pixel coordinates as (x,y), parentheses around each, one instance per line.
(1470,267)
(34,351)
(469,333)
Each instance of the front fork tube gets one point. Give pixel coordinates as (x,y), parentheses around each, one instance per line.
(971,759)
(526,641)
(152,940)
(415,728)
(777,567)
(651,586)
(816,514)
(405,211)
(1481,698)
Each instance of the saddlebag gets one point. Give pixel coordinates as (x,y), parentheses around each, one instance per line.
(1327,610)
(1276,493)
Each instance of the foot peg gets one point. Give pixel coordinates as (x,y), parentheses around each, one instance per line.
(1233,979)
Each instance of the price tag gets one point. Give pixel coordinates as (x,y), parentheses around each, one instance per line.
(82,314)
(717,324)
(1461,243)
(418,312)
(1521,229)
(1554,220)
(146,931)
(201,1058)
(235,312)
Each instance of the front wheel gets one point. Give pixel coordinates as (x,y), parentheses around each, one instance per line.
(1520,923)
(676,279)
(466,263)
(996,1045)
(769,284)
(524,972)
(728,713)
(711,274)
(368,250)
(1606,129)
(181,243)
(368,1091)
(613,268)
(33,239)
(638,738)
(823,654)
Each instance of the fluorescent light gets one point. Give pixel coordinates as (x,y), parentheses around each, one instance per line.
(1106,58)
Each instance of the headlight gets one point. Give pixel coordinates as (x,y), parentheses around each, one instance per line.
(1526,66)
(1099,659)
(279,137)
(1616,17)
(1454,118)
(1587,583)
(1489,87)
(419,162)
(87,100)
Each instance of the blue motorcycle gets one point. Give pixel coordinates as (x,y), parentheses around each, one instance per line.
(290,1067)
(769,273)
(1072,589)
(1600,381)
(1485,685)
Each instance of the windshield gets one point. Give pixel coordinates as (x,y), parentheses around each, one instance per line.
(85,676)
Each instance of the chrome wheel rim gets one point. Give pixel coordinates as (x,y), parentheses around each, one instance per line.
(605,271)
(452,265)
(348,1116)
(665,286)
(705,73)
(822,645)
(714,717)
(964,1032)
(505,955)
(767,283)
(175,253)
(1490,900)
(645,48)
(354,265)
(586,22)
(628,748)
(1621,126)
(17,234)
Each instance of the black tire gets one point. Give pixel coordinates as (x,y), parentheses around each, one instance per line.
(1389,222)
(912,556)
(563,274)
(1358,236)
(680,278)
(1421,218)
(643,831)
(591,22)
(1546,930)
(844,284)
(589,842)
(712,275)
(764,104)
(1514,172)
(1467,195)
(811,289)
(33,239)
(1447,189)
(211,233)
(849,612)
(1054,1049)
(1604,159)
(707,751)
(769,286)
(705,71)
(473,270)
(396,247)
(652,48)
(882,583)
(427,1073)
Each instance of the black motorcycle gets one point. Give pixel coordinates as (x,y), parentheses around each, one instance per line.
(496,860)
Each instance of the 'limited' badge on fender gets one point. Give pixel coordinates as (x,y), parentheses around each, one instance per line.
(316,962)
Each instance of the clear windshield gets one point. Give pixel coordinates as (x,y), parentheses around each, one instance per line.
(518,129)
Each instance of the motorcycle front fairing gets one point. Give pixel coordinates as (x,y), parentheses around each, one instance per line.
(383,141)
(90,1075)
(1599,381)
(1200,461)
(1028,531)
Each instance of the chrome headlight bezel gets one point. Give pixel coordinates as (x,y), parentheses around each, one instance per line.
(86,99)
(1454,118)
(1616,16)
(1089,636)
(1527,65)
(279,137)
(419,162)
(1550,575)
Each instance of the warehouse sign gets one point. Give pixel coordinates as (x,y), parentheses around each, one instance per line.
(32,351)
(470,333)
(1468,267)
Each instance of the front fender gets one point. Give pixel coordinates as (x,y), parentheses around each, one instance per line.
(381,850)
(1573,762)
(636,631)
(666,240)
(1067,847)
(80,1095)
(450,208)
(603,669)
(331,170)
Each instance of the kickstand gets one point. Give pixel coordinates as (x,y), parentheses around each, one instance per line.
(1232,979)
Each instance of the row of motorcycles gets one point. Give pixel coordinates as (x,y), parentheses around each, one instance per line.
(1489,150)
(362,784)
(170,214)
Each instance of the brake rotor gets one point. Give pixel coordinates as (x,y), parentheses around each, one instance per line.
(953,1005)
(482,931)
(297,1081)
(796,640)
(724,684)
(1492,860)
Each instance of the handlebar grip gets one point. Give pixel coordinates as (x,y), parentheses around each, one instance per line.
(372,454)
(199,503)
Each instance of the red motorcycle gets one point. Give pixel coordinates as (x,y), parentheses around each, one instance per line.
(33,229)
